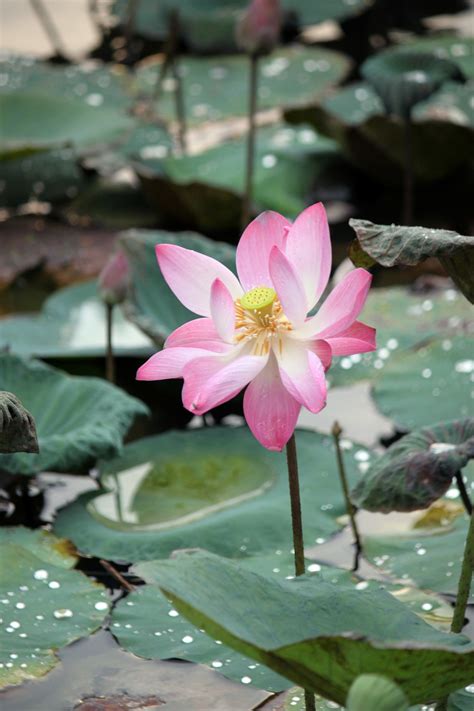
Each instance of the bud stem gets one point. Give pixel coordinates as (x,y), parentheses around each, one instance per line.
(250,159)
(110,362)
(336,433)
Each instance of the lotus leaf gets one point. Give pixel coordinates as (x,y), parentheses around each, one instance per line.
(79,420)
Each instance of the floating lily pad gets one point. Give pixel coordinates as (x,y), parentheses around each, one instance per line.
(152,306)
(214,88)
(392,245)
(442,130)
(70,325)
(403,77)
(300,627)
(458,701)
(429,561)
(427,384)
(35,119)
(418,469)
(39,174)
(210,25)
(79,420)
(93,84)
(205,191)
(146,624)
(173,636)
(45,605)
(404,319)
(127,526)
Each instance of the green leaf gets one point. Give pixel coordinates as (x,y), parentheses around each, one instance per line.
(300,627)
(418,469)
(39,174)
(50,121)
(152,306)
(458,701)
(403,77)
(17,426)
(205,191)
(214,88)
(78,419)
(72,324)
(432,562)
(147,625)
(45,605)
(391,245)
(403,319)
(428,384)
(127,523)
(371,692)
(442,130)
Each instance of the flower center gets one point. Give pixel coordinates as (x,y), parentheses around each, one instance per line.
(260,318)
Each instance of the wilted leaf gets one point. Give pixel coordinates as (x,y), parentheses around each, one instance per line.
(393,245)
(17,426)
(418,469)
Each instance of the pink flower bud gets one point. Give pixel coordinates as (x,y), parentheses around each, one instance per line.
(114,279)
(258,30)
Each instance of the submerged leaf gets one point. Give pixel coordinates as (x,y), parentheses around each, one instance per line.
(418,469)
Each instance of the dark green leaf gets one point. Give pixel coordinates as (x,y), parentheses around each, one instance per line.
(300,627)
(428,384)
(418,469)
(134,520)
(78,419)
(45,604)
(392,245)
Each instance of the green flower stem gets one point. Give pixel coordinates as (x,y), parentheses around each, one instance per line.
(250,156)
(464,588)
(351,511)
(109,358)
(463,493)
(297,526)
(465,580)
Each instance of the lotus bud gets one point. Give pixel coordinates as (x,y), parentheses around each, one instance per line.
(258,30)
(114,279)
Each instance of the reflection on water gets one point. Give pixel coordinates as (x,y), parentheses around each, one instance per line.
(178,490)
(86,328)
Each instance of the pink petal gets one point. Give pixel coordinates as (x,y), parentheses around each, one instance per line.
(358,338)
(168,363)
(212,380)
(271,412)
(308,247)
(340,309)
(323,350)
(190,274)
(223,310)
(302,374)
(288,286)
(198,333)
(253,251)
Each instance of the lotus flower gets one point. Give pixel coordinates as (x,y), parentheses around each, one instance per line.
(255,331)
(114,279)
(258,30)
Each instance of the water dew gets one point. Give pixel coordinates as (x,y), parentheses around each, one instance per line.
(216,664)
(20,605)
(173,613)
(40,574)
(102,605)
(187,639)
(246,680)
(314,568)
(62,613)
(15,624)
(54,585)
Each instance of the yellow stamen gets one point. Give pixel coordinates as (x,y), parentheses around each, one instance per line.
(260,319)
